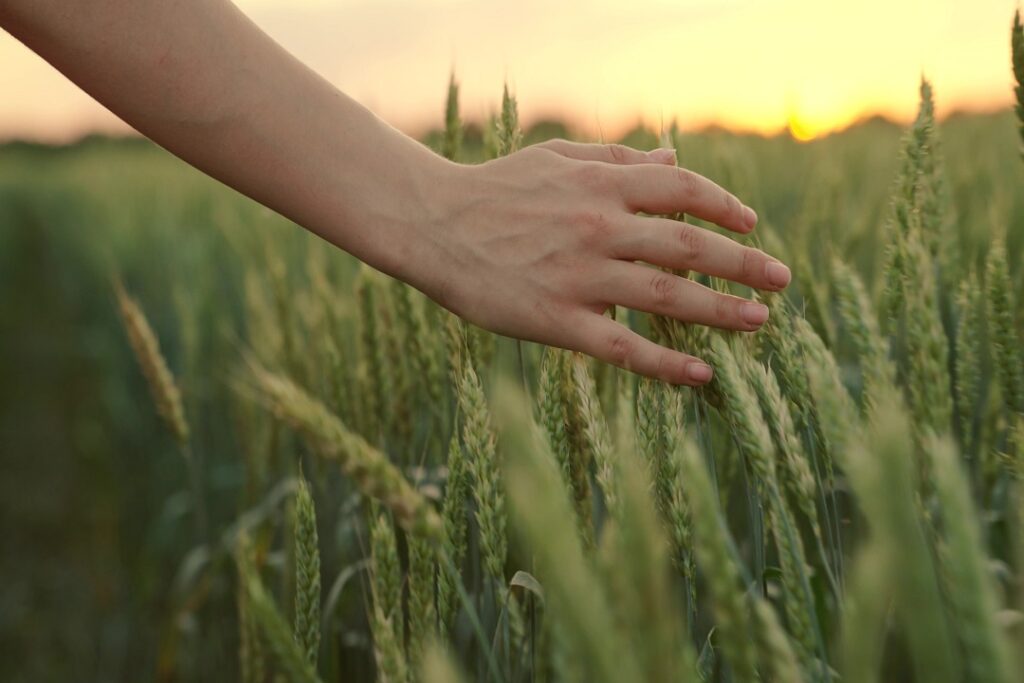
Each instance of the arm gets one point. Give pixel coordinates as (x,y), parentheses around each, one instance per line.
(536,245)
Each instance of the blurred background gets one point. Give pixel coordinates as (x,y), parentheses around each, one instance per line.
(795,105)
(603,65)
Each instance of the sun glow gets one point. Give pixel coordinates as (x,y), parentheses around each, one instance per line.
(769,66)
(800,130)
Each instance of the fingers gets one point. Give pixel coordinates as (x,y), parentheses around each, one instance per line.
(669,189)
(669,243)
(655,291)
(607,340)
(610,154)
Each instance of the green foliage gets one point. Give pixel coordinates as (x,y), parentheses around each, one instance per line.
(765,528)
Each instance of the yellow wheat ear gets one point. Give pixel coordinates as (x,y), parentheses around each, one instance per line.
(146,347)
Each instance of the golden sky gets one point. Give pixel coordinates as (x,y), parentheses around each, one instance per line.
(814,65)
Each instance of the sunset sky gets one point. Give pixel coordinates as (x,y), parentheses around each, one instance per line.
(760,65)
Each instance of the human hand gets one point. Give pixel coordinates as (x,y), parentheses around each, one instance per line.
(539,244)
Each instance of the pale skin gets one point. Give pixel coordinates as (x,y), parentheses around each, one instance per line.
(536,245)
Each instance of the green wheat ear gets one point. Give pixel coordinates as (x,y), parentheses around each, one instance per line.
(972,594)
(561,416)
(452,145)
(288,656)
(545,520)
(422,610)
(712,543)
(307,575)
(969,306)
(1002,327)
(387,617)
(484,470)
(510,137)
(330,438)
(456,523)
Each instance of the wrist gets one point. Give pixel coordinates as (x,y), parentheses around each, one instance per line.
(420,200)
(389,195)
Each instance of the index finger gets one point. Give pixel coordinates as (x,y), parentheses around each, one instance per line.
(660,189)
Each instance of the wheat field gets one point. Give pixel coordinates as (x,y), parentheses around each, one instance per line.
(266,462)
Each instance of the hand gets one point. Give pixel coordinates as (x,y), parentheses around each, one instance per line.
(539,244)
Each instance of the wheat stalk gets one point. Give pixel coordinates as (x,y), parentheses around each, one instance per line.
(880,470)
(290,658)
(439,667)
(722,574)
(375,476)
(635,558)
(510,137)
(971,593)
(387,617)
(452,144)
(969,308)
(1006,345)
(307,575)
(562,418)
(482,464)
(544,518)
(659,425)
(931,397)
(775,650)
(862,323)
(161,382)
(373,379)
(1017,57)
(421,607)
(453,513)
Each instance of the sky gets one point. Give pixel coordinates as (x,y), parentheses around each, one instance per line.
(810,66)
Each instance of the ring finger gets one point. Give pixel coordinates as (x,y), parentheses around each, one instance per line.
(655,291)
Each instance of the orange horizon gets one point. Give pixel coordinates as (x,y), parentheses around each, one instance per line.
(119,129)
(601,66)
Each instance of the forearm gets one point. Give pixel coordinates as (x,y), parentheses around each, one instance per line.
(203,81)
(536,245)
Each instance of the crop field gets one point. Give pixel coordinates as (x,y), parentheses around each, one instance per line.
(232,452)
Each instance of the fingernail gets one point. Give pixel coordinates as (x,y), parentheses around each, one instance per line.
(663,155)
(749,217)
(699,372)
(778,274)
(754,313)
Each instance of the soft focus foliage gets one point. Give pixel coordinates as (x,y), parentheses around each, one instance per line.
(845,496)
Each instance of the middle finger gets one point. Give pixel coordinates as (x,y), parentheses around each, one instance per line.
(677,245)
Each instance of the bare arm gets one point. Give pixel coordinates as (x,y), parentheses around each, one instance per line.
(536,245)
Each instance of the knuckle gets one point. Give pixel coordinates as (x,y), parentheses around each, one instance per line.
(752,265)
(620,350)
(618,153)
(732,206)
(593,227)
(726,309)
(662,289)
(692,243)
(688,182)
(663,366)
(554,145)
(592,175)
